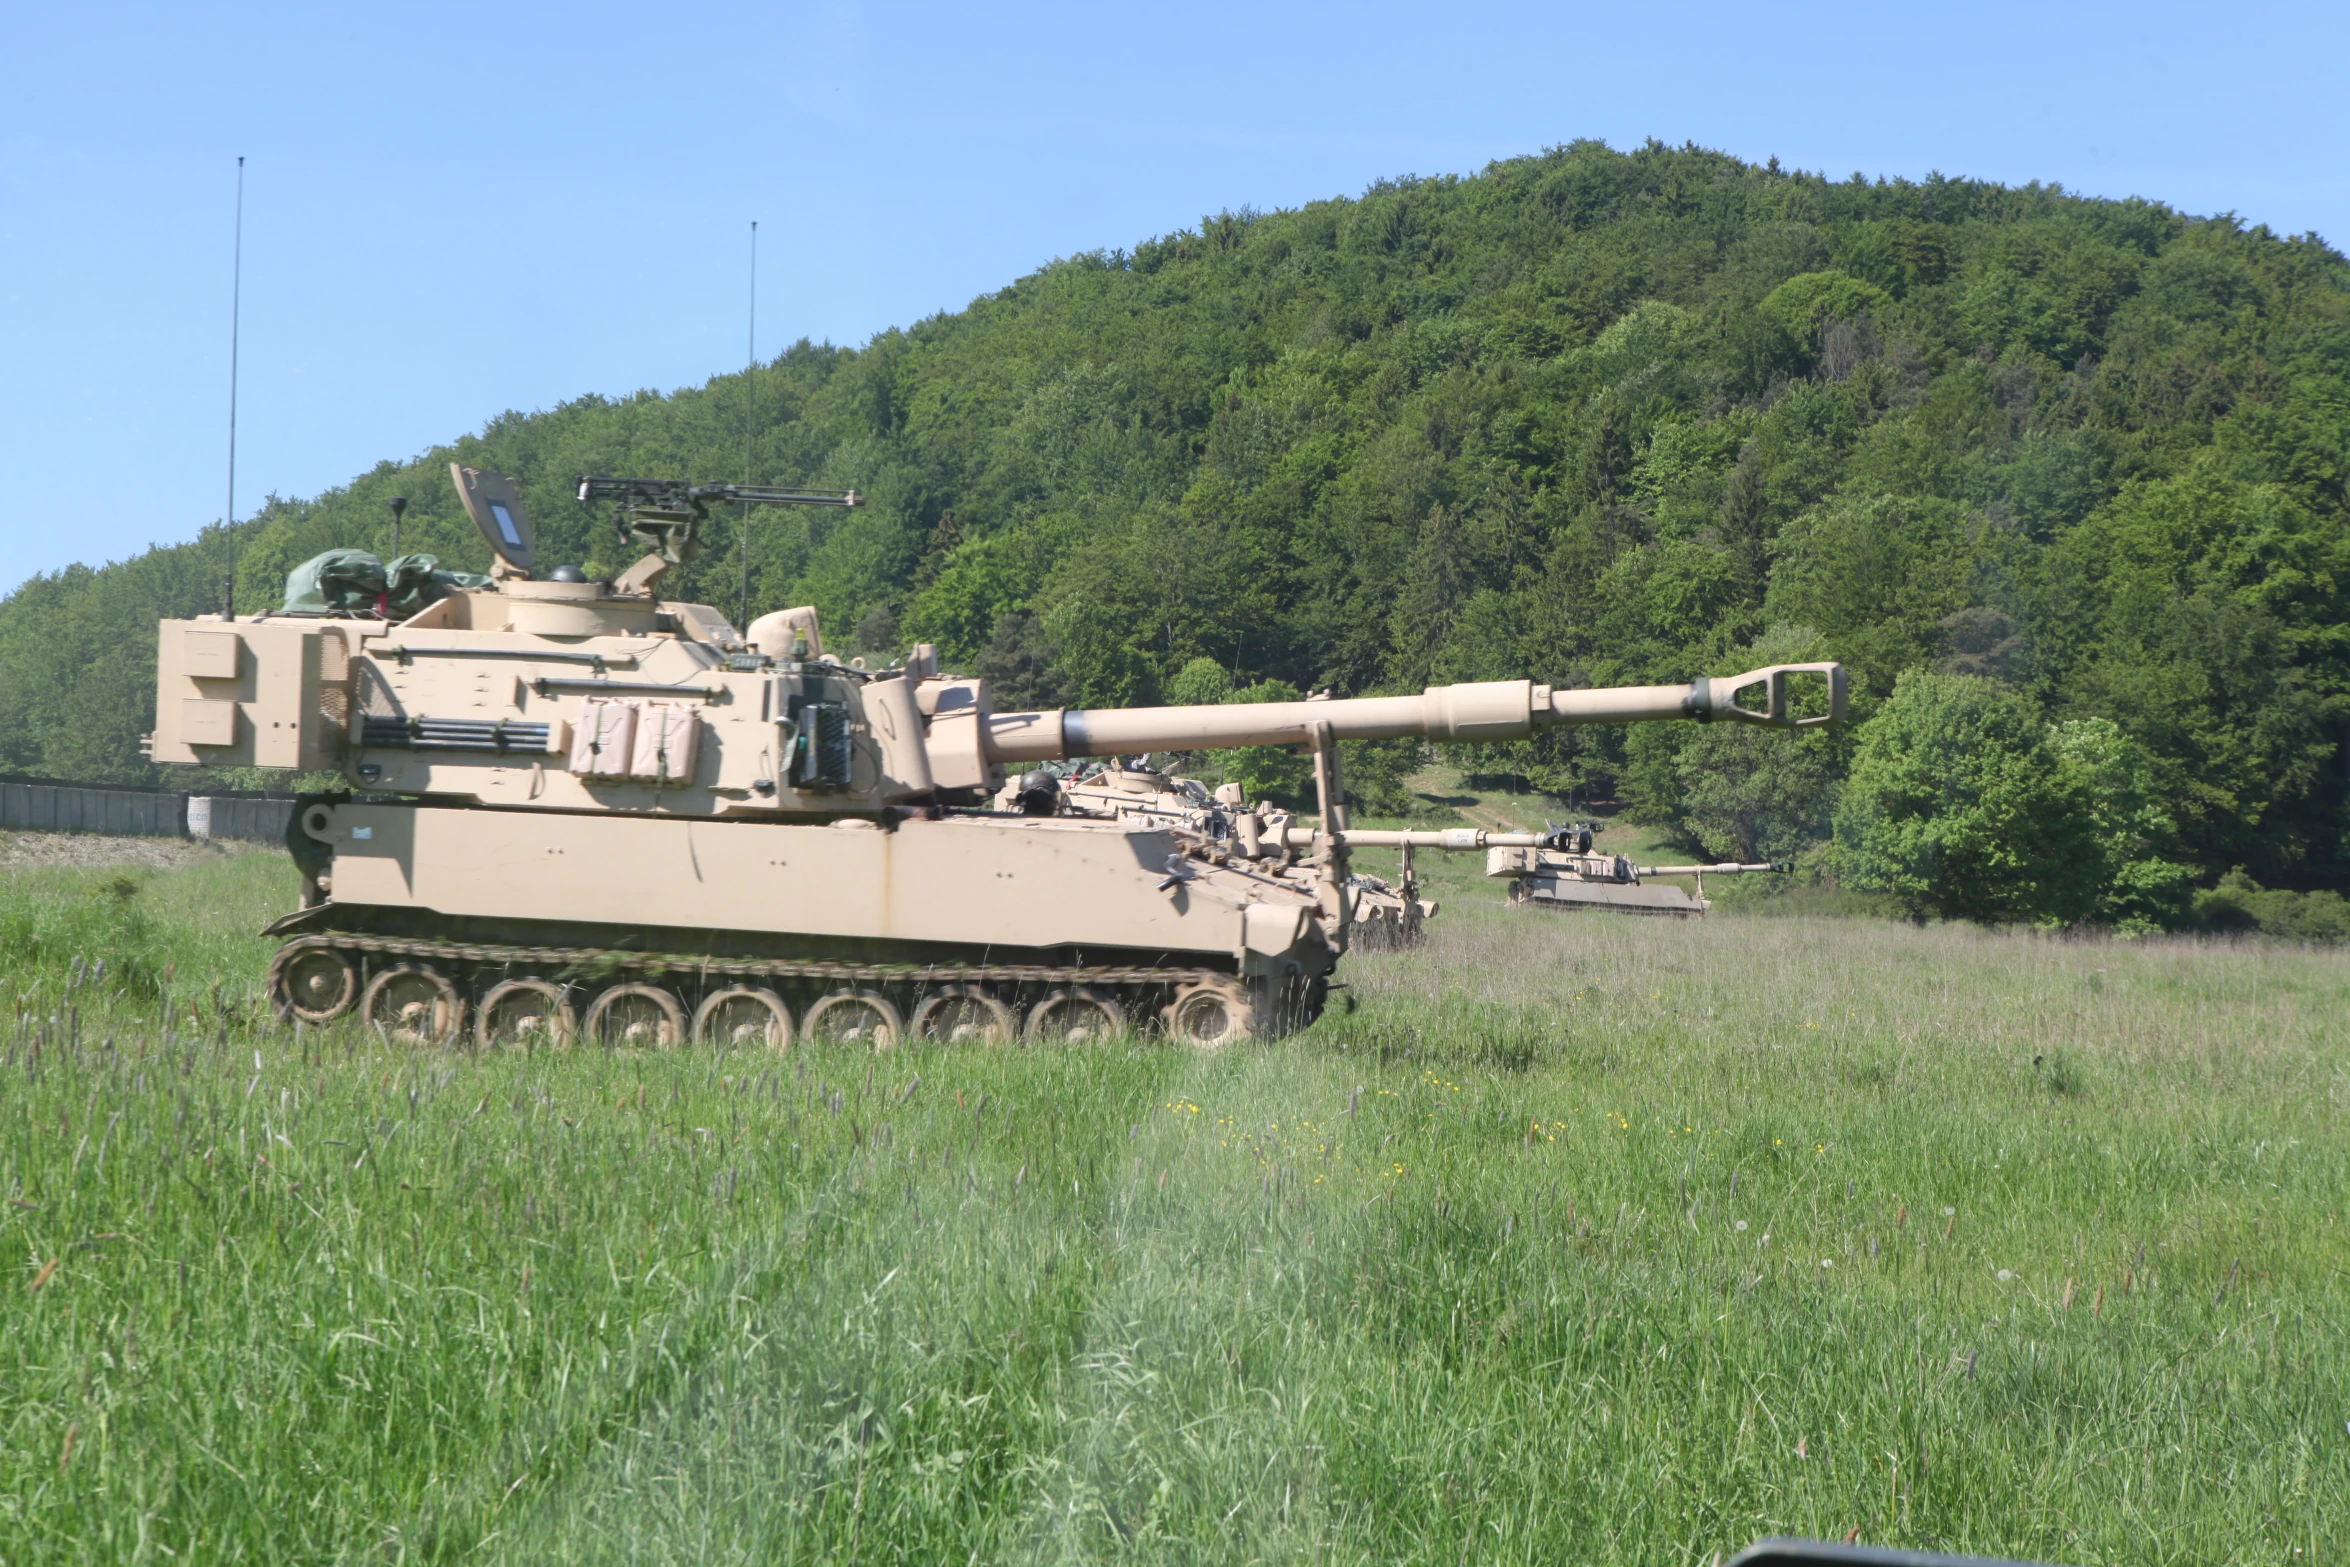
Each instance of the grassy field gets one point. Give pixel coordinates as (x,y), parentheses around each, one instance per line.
(1580,1240)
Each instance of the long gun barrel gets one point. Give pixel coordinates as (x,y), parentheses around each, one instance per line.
(1488,711)
(1768,868)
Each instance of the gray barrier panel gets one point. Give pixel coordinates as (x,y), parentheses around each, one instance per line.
(260,820)
(39,807)
(136,813)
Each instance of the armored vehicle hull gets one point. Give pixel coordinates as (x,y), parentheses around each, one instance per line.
(1546,875)
(1569,892)
(1059,924)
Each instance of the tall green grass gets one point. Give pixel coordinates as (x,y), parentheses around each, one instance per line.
(1578,1240)
(57,922)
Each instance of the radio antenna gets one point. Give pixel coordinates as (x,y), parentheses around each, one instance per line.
(236,294)
(742,613)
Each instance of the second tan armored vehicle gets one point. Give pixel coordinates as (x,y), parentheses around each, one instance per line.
(1560,871)
(1557,869)
(1386,917)
(575,807)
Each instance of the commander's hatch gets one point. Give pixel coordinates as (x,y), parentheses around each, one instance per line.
(495,505)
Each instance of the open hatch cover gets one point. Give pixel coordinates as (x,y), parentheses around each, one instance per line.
(495,505)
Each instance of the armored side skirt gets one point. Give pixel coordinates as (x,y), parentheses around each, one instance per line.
(920,888)
(1565,892)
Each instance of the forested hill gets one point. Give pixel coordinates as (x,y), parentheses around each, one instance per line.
(1588,417)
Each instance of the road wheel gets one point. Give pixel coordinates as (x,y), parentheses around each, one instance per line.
(853,1017)
(1080,1015)
(743,1015)
(312,981)
(526,1012)
(640,1015)
(1212,1014)
(413,1005)
(962,1014)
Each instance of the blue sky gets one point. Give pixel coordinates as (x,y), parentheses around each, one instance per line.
(452,211)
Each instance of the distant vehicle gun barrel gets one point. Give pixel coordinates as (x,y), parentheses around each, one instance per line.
(1766,868)
(1450,839)
(1483,712)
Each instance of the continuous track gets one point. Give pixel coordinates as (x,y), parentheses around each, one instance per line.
(424,991)
(607,960)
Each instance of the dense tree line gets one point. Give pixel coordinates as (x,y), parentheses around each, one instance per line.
(2061,479)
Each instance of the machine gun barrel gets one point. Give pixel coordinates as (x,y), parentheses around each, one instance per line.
(769,495)
(1487,711)
(698,497)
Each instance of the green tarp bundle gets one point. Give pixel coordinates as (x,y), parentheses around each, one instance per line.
(345,580)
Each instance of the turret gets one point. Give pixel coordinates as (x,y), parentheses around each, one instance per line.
(562,693)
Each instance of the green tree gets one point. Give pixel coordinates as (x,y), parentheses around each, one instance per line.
(1806,306)
(2206,612)
(1099,615)
(1750,793)
(1755,794)
(1958,807)
(1736,791)
(2239,903)
(2111,778)
(1200,683)
(1876,574)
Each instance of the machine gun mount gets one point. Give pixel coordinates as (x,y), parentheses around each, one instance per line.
(665,516)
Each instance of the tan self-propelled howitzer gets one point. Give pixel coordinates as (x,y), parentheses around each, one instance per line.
(1557,869)
(576,807)
(1382,916)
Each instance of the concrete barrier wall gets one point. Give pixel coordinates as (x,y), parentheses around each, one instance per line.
(39,805)
(241,816)
(49,807)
